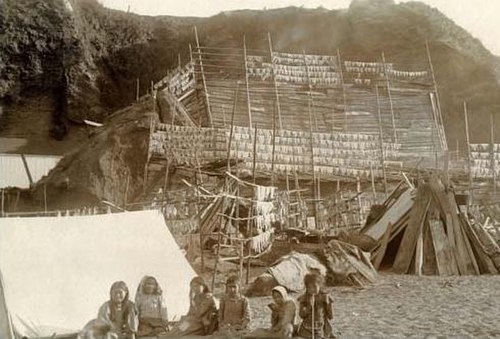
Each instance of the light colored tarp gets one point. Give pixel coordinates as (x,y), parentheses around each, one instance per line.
(13,173)
(58,270)
(5,322)
(292,268)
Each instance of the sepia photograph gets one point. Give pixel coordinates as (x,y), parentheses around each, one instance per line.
(249,169)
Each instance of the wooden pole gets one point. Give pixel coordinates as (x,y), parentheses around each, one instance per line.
(179,60)
(125,198)
(190,53)
(137,89)
(250,225)
(27,169)
(45,197)
(232,126)
(382,153)
(440,115)
(3,202)
(165,184)
(390,98)
(343,89)
(492,152)
(311,136)
(207,100)
(469,158)
(249,107)
(273,146)
(373,184)
(276,92)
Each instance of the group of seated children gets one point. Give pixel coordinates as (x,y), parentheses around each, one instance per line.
(120,318)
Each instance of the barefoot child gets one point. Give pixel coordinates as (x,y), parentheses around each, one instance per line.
(234,311)
(315,309)
(151,307)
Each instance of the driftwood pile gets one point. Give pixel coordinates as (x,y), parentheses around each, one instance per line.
(423,231)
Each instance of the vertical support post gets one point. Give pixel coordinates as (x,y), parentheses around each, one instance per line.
(373,184)
(273,145)
(492,152)
(209,111)
(469,158)
(441,128)
(125,198)
(137,89)
(45,197)
(232,127)
(390,98)
(382,153)
(311,136)
(3,201)
(254,160)
(165,184)
(276,92)
(249,107)
(343,88)
(179,60)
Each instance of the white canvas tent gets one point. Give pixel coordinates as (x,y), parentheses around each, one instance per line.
(57,271)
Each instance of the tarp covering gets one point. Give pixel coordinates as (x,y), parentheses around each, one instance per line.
(292,268)
(58,270)
(13,172)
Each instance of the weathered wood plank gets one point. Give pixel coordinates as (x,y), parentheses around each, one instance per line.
(429,266)
(383,247)
(441,247)
(408,242)
(484,262)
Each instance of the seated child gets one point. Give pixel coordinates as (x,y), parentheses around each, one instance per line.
(201,318)
(116,319)
(151,308)
(234,311)
(283,312)
(315,309)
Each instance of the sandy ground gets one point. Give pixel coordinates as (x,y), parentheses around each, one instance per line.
(403,306)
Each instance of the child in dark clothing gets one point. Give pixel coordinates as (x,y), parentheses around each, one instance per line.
(315,309)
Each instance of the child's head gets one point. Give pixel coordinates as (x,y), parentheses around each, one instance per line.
(279,295)
(198,286)
(313,282)
(150,285)
(119,292)
(232,285)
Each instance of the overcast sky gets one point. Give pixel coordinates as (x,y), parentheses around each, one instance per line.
(479,17)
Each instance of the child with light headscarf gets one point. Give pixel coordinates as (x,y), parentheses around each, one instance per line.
(152,309)
(283,311)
